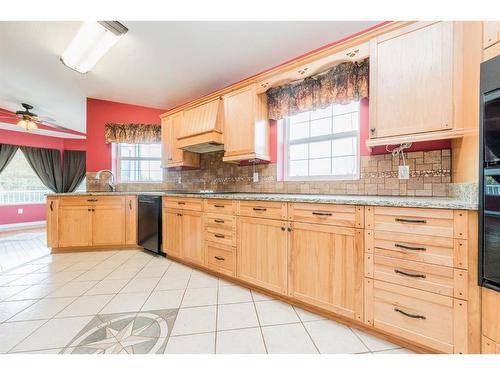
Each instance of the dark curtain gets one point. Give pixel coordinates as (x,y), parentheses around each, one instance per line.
(7,152)
(73,170)
(47,165)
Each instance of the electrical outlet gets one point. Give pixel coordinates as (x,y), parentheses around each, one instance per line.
(404,172)
(179,180)
(255,176)
(20,211)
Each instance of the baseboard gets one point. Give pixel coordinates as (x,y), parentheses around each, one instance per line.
(31,224)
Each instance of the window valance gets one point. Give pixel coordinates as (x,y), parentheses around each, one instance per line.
(132,133)
(341,84)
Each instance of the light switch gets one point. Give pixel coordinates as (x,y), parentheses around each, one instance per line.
(20,211)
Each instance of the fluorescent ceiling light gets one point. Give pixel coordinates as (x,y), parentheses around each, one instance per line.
(91,43)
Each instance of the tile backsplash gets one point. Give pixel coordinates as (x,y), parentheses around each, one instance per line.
(430,175)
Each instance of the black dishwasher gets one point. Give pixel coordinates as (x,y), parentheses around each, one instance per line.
(149,223)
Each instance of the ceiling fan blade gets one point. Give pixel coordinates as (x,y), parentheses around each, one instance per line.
(52,125)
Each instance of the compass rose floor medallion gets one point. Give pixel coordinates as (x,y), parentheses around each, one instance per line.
(144,332)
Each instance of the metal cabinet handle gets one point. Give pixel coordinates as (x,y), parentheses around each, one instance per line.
(91,200)
(52,205)
(410,247)
(283,228)
(219,235)
(412,221)
(130,204)
(322,213)
(259,209)
(417,275)
(219,221)
(181,203)
(219,258)
(179,214)
(219,205)
(372,130)
(88,209)
(414,316)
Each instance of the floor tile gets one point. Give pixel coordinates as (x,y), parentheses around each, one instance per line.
(260,297)
(30,279)
(44,351)
(173,281)
(203,343)
(122,273)
(195,320)
(35,292)
(107,287)
(275,312)
(10,308)
(82,266)
(13,333)
(152,271)
(395,351)
(63,277)
(288,339)
(85,305)
(202,280)
(8,291)
(223,282)
(334,338)
(200,297)
(125,303)
(240,341)
(94,275)
(5,279)
(45,337)
(43,309)
(72,289)
(234,294)
(307,316)
(140,285)
(374,343)
(236,315)
(163,299)
(25,269)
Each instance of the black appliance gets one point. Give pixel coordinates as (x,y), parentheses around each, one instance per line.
(489,175)
(149,223)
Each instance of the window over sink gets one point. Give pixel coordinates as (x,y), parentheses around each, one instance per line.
(322,144)
(139,162)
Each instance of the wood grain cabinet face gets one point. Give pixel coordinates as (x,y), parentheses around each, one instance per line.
(131,220)
(52,221)
(192,237)
(491,33)
(262,253)
(327,267)
(172,232)
(172,156)
(75,226)
(411,80)
(108,225)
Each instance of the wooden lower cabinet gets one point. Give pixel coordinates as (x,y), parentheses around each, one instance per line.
(172,232)
(192,237)
(489,346)
(108,225)
(74,226)
(52,222)
(131,220)
(490,321)
(261,253)
(327,267)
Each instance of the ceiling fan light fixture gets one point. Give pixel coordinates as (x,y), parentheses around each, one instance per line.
(91,43)
(27,124)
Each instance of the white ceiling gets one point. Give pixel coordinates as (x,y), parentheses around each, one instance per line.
(156,64)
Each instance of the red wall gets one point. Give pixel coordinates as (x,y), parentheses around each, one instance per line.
(100,112)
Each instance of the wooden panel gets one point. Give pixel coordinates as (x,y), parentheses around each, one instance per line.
(327,267)
(194,204)
(415,61)
(491,33)
(491,314)
(350,216)
(192,237)
(172,156)
(221,236)
(489,346)
(131,220)
(262,253)
(423,221)
(92,200)
(368,299)
(52,221)
(219,221)
(201,119)
(172,232)
(108,225)
(75,226)
(221,258)
(222,206)
(264,209)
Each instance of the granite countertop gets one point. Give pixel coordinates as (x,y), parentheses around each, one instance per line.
(365,200)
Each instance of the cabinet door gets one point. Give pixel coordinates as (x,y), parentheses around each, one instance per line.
(52,224)
(192,237)
(176,154)
(108,224)
(75,226)
(327,267)
(261,253)
(166,126)
(172,232)
(131,220)
(491,33)
(411,74)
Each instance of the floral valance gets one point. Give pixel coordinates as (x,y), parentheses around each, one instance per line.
(341,84)
(132,133)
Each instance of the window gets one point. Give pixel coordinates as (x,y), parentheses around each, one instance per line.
(20,184)
(322,144)
(139,162)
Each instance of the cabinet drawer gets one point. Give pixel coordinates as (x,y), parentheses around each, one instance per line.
(443,251)
(92,200)
(220,221)
(193,204)
(223,206)
(429,319)
(437,279)
(221,258)
(422,221)
(349,216)
(268,210)
(222,236)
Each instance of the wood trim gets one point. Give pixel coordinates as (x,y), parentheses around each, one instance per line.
(76,249)
(420,137)
(491,52)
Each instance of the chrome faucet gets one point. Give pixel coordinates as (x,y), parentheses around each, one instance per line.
(110,183)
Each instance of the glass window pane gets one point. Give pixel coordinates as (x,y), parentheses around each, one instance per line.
(299,130)
(344,146)
(342,123)
(128,150)
(321,127)
(320,167)
(152,150)
(339,109)
(320,149)
(298,151)
(321,113)
(299,117)
(298,168)
(345,165)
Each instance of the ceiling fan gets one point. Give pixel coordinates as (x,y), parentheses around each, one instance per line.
(29,120)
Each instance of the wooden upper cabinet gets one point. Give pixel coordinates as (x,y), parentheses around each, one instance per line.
(411,80)
(172,156)
(246,128)
(491,33)
(75,226)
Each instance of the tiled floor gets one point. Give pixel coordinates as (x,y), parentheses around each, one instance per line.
(21,247)
(128,301)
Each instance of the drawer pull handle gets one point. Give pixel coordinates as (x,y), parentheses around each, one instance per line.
(219,258)
(219,235)
(410,247)
(322,213)
(418,275)
(179,214)
(91,200)
(52,205)
(181,203)
(411,221)
(414,316)
(219,205)
(219,221)
(259,209)
(130,204)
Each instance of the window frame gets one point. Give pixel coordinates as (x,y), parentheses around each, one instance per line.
(118,158)
(285,129)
